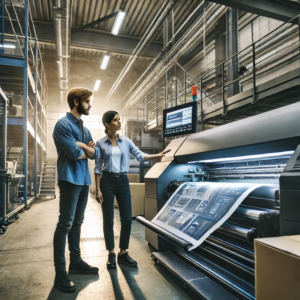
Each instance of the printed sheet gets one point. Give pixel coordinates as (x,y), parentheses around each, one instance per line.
(196,209)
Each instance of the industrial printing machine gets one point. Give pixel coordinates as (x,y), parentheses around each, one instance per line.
(260,149)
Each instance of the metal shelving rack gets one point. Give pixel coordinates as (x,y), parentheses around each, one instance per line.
(23,84)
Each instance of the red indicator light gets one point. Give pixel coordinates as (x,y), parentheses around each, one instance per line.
(194,91)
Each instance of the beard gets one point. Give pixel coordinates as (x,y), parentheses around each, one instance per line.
(82,110)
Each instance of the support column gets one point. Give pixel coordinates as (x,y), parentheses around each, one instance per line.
(35,117)
(3,172)
(299,42)
(42,99)
(220,48)
(42,124)
(156,104)
(165,41)
(2,26)
(232,48)
(25,141)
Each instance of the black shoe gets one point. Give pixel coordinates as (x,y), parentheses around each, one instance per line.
(125,259)
(82,267)
(63,283)
(111,262)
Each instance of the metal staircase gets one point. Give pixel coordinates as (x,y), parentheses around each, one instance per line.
(48,179)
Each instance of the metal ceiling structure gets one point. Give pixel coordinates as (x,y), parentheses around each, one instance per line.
(96,40)
(139,14)
(283,10)
(85,42)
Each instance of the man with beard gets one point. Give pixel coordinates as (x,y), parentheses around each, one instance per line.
(74,145)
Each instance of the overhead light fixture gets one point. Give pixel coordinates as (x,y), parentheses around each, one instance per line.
(60,68)
(118,22)
(97,84)
(10,46)
(38,139)
(104,62)
(30,129)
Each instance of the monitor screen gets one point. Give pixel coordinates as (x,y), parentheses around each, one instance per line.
(180,120)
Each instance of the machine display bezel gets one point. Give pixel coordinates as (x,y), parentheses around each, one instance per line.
(194,106)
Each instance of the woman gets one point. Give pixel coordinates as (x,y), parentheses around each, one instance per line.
(112,168)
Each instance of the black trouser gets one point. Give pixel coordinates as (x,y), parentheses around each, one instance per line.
(111,186)
(72,205)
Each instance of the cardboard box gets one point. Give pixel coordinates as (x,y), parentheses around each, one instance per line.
(134,177)
(137,191)
(277,268)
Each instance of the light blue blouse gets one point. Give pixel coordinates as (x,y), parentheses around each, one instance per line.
(127,147)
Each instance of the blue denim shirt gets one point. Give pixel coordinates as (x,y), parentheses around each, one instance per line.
(104,162)
(66,133)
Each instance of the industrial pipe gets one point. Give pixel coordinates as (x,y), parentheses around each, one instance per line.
(185,42)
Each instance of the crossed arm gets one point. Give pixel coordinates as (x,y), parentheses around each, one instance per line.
(88,150)
(72,149)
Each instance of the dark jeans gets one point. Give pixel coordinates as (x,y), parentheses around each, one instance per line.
(72,204)
(111,186)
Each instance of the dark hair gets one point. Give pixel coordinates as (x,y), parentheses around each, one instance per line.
(108,117)
(78,94)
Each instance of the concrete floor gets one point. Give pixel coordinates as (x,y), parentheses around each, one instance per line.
(26,260)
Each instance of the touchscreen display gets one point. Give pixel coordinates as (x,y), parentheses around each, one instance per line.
(180,120)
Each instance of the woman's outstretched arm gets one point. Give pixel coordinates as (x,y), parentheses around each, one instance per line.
(159,155)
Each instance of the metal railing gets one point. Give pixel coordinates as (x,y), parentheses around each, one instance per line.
(225,64)
(254,64)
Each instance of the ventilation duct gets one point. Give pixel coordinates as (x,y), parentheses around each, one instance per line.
(62,23)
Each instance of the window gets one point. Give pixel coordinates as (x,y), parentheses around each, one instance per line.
(94,125)
(96,118)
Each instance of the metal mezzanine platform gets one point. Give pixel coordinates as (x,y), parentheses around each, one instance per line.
(266,77)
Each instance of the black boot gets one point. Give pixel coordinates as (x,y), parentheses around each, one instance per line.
(63,283)
(82,267)
(111,262)
(125,259)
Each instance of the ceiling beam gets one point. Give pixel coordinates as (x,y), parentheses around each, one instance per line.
(97,40)
(276,9)
(98,21)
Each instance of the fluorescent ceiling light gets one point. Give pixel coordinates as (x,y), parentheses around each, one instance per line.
(246,157)
(8,46)
(38,139)
(60,66)
(118,22)
(97,84)
(30,129)
(104,62)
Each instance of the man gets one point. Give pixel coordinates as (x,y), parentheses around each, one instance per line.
(74,145)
